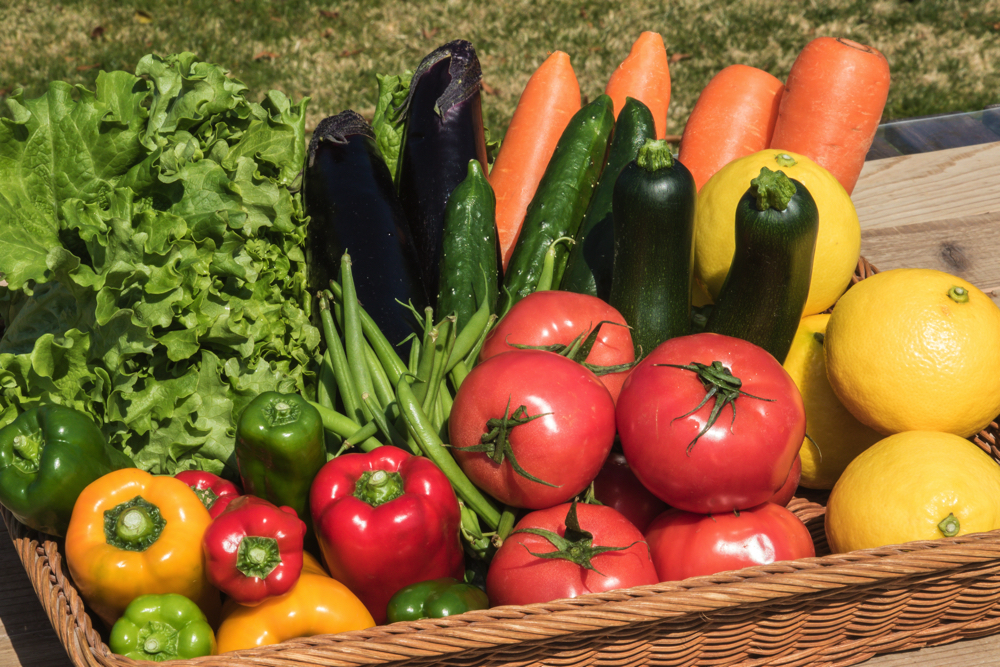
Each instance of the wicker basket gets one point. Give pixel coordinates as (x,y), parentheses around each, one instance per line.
(828,610)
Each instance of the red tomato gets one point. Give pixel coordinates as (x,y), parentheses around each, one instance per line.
(566,442)
(617,487)
(555,317)
(737,463)
(517,577)
(685,544)
(784,495)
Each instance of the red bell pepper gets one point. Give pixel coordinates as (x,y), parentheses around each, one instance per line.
(385,520)
(253,550)
(215,493)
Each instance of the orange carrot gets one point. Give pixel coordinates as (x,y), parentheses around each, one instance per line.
(733,117)
(549,100)
(832,104)
(644,75)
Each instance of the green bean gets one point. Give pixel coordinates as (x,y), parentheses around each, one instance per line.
(383,388)
(348,392)
(506,524)
(347,428)
(326,388)
(444,341)
(470,333)
(384,350)
(354,340)
(414,357)
(473,357)
(433,448)
(387,429)
(548,277)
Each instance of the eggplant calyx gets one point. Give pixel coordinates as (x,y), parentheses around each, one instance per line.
(576,545)
(720,384)
(496,441)
(464,70)
(337,129)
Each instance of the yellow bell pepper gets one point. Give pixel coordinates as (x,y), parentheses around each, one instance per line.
(316,605)
(132,533)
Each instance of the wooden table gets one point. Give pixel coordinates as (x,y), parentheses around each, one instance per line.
(938,209)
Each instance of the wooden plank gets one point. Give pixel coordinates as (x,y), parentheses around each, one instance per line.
(931,187)
(980,652)
(965,247)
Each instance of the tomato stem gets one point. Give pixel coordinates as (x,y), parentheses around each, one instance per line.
(575,545)
(496,441)
(719,383)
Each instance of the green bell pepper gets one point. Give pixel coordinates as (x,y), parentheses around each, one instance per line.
(436,598)
(162,627)
(48,455)
(279,449)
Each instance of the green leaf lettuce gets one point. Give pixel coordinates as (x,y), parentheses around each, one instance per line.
(153,252)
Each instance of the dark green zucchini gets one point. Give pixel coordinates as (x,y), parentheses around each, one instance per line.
(762,298)
(653,207)
(469,248)
(561,199)
(591,260)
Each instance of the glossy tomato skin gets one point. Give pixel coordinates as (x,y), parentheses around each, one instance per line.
(556,317)
(736,464)
(685,544)
(565,447)
(617,487)
(517,577)
(784,495)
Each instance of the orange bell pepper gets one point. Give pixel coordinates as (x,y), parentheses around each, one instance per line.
(132,533)
(316,605)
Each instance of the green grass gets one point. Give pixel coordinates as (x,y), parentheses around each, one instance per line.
(944,54)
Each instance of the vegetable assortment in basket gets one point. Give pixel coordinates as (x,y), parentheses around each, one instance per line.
(408,393)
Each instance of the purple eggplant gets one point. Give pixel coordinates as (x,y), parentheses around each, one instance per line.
(443,131)
(353,207)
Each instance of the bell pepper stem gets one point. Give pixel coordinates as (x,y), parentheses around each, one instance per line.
(28,453)
(377,487)
(133,525)
(257,556)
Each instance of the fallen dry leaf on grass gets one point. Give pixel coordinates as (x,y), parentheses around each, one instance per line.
(270,55)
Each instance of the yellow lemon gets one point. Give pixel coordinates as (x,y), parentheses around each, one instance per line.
(916,350)
(835,437)
(917,485)
(838,244)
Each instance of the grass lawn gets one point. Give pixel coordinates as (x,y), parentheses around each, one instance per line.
(944,54)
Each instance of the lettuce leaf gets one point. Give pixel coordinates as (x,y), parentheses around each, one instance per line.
(154,257)
(388,121)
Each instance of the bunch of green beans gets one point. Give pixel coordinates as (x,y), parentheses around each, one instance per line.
(385,401)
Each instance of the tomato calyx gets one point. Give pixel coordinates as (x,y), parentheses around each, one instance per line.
(720,384)
(496,441)
(576,545)
(579,349)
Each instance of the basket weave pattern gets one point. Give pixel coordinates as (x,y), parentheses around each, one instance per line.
(829,610)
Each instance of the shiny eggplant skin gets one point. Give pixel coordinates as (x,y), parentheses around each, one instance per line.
(443,131)
(353,207)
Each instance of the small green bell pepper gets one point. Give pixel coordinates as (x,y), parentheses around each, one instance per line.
(436,598)
(48,455)
(162,627)
(279,449)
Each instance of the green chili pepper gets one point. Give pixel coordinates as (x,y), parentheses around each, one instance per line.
(162,627)
(279,449)
(48,455)
(436,598)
